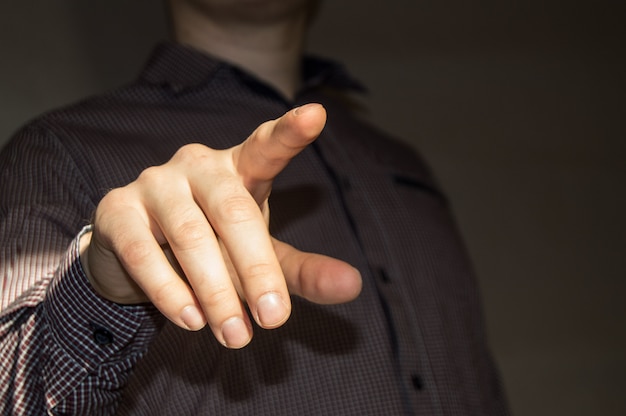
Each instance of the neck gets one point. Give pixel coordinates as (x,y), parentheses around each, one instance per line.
(270,50)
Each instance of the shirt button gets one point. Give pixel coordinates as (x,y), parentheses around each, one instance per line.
(102,336)
(383,276)
(418,383)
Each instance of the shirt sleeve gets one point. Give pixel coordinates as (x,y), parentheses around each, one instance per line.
(66,350)
(45,200)
(63,348)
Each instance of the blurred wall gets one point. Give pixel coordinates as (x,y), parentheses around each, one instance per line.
(519,108)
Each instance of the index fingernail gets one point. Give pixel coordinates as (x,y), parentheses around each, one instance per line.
(303,109)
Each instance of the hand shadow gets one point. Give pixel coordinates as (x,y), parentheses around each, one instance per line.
(186,361)
(182,360)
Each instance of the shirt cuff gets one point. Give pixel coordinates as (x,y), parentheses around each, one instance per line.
(90,329)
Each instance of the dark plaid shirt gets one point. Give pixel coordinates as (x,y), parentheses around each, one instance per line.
(412,343)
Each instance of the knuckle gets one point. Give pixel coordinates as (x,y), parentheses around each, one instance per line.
(163,294)
(135,252)
(151,176)
(112,200)
(264,131)
(112,208)
(258,271)
(237,210)
(190,153)
(216,297)
(188,234)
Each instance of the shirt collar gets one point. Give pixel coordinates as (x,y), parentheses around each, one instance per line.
(180,68)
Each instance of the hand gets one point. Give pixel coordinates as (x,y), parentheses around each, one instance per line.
(191,236)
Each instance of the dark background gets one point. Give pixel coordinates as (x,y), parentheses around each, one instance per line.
(518,106)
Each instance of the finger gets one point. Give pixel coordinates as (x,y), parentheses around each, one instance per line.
(318,278)
(196,249)
(273,144)
(240,224)
(129,236)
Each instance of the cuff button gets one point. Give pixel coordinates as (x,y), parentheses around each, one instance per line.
(102,336)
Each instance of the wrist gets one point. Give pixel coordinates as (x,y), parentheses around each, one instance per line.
(124,292)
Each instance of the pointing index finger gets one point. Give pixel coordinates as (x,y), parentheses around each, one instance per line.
(273,144)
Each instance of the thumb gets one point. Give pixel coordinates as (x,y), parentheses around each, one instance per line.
(315,277)
(268,150)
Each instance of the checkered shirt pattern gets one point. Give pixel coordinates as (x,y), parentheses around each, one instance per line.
(412,343)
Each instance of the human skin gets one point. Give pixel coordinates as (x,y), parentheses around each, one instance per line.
(265,37)
(191,236)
